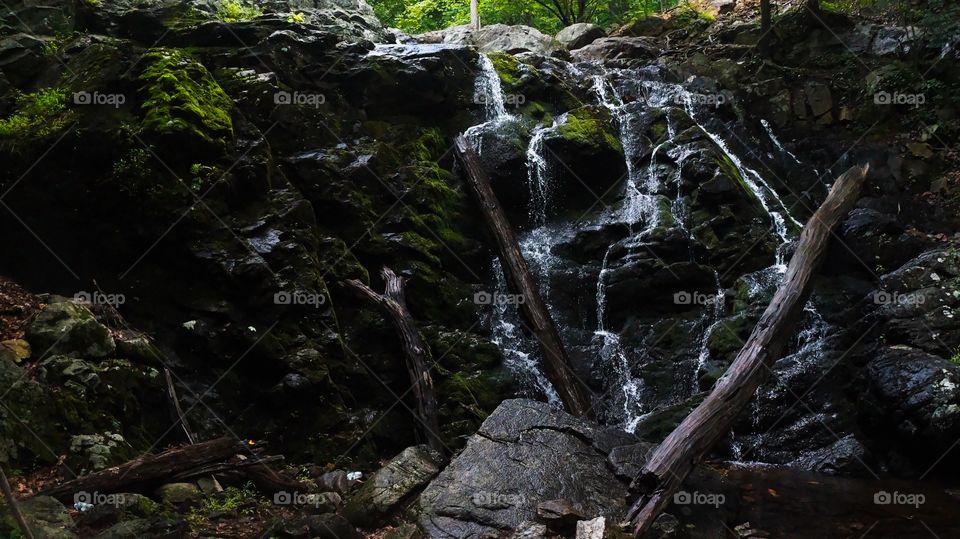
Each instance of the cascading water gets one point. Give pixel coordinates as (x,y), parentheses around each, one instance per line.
(628,94)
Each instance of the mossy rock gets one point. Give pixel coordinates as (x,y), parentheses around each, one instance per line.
(183,105)
(38,119)
(589,127)
(69,328)
(46,517)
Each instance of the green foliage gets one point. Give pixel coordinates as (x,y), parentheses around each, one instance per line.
(232,500)
(183,99)
(38,116)
(236,10)
(418,16)
(297,17)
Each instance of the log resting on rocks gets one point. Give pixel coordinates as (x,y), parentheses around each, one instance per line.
(677,455)
(556,364)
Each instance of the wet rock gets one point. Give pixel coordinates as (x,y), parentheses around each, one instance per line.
(525,453)
(580,35)
(45,516)
(68,328)
(618,48)
(915,397)
(393,484)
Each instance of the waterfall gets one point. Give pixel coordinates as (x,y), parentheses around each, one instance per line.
(488,92)
(538,177)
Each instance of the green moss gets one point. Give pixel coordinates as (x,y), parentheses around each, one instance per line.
(585,126)
(183,100)
(507,66)
(235,11)
(38,117)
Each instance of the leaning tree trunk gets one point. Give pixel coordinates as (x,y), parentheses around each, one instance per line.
(393,302)
(14,508)
(556,365)
(676,456)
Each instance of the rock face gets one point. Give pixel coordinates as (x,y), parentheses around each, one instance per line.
(525,454)
(393,484)
(617,48)
(497,38)
(69,328)
(45,516)
(580,35)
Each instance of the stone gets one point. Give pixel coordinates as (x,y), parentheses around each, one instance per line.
(392,484)
(116,508)
(818,98)
(497,37)
(559,515)
(46,517)
(179,494)
(69,328)
(405,531)
(618,48)
(335,481)
(94,452)
(328,526)
(154,528)
(591,529)
(580,35)
(524,454)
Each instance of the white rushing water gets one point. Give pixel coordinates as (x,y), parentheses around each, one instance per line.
(640,210)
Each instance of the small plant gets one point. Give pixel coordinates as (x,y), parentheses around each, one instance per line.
(38,115)
(956,358)
(297,17)
(236,11)
(244,501)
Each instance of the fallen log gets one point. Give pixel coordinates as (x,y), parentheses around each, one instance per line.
(393,302)
(556,364)
(671,462)
(148,469)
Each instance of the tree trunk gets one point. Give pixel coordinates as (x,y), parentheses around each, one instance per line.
(14,508)
(148,469)
(556,365)
(676,456)
(474,15)
(419,362)
(765,28)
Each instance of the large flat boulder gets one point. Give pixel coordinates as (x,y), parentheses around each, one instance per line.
(525,454)
(513,39)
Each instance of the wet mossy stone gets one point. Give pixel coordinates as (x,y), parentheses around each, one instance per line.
(183,104)
(46,517)
(69,328)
